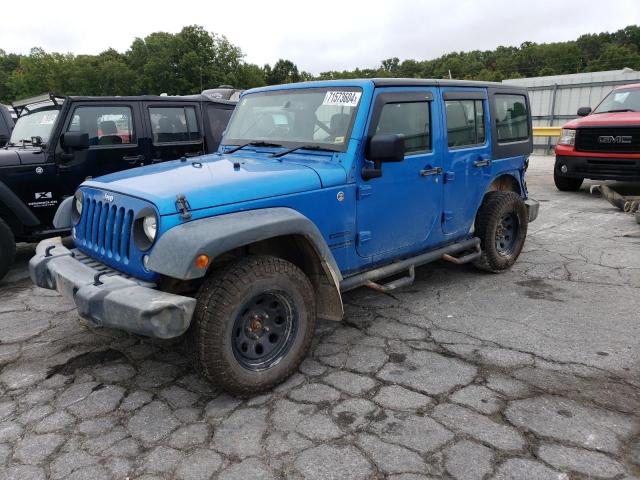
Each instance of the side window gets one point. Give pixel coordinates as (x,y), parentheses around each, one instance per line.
(105,125)
(218,120)
(465,122)
(511,118)
(174,124)
(412,119)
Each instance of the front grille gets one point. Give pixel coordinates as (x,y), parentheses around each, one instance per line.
(593,139)
(105,229)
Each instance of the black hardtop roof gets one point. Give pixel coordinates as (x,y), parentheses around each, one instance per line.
(156,98)
(433,82)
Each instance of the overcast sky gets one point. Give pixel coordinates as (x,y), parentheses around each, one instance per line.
(317,36)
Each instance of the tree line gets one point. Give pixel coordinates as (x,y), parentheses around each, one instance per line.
(193,59)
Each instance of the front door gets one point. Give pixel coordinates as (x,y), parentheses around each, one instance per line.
(114,143)
(399,210)
(467,160)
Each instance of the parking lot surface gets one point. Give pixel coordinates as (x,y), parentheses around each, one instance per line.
(531,374)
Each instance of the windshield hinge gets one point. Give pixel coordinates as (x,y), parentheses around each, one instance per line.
(182,205)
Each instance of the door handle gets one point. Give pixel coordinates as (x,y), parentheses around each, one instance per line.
(193,154)
(430,171)
(482,163)
(133,159)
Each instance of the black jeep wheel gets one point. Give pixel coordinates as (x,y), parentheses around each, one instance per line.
(253,324)
(7,248)
(566,184)
(501,225)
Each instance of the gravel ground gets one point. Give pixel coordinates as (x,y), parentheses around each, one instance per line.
(532,374)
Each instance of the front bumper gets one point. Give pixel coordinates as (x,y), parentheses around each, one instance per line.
(599,168)
(533,206)
(107,297)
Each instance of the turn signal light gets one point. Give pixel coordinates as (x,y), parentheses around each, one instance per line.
(202,261)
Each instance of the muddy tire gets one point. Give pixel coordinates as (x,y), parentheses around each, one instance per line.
(501,225)
(7,248)
(253,324)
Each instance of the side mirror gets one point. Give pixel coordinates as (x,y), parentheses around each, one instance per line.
(75,141)
(584,111)
(383,148)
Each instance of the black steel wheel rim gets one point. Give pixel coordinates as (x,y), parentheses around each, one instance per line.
(507,233)
(264,330)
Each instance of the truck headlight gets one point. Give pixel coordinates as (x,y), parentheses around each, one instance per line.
(567,137)
(150,227)
(76,209)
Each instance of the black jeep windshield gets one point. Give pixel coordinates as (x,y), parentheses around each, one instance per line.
(35,124)
(627,100)
(321,117)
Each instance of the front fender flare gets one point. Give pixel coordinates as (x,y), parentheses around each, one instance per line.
(175,252)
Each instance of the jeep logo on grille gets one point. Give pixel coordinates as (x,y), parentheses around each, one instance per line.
(617,139)
(108,198)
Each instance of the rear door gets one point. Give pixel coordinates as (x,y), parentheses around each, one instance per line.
(467,158)
(175,129)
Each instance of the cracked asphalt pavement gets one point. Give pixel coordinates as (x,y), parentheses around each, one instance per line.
(531,374)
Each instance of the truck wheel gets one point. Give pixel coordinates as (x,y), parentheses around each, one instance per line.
(7,248)
(253,324)
(501,225)
(566,184)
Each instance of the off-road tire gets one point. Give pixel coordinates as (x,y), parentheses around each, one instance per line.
(221,299)
(566,184)
(495,206)
(7,248)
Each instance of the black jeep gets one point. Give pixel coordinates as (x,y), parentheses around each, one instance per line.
(58,142)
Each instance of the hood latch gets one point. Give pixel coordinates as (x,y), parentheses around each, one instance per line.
(182,205)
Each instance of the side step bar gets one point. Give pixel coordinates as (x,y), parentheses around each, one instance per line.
(370,276)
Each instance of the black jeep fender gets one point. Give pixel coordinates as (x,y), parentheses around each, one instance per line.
(14,205)
(267,230)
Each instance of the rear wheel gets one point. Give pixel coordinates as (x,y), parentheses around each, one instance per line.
(501,225)
(7,248)
(253,324)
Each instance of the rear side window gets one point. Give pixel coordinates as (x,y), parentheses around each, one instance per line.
(105,125)
(465,123)
(174,124)
(511,118)
(412,119)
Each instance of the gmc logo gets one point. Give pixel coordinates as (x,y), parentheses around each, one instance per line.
(612,139)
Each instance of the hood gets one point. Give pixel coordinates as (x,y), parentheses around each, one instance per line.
(212,180)
(13,156)
(618,119)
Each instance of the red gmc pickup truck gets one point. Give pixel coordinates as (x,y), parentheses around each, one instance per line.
(604,144)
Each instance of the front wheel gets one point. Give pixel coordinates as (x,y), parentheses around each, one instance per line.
(501,225)
(253,324)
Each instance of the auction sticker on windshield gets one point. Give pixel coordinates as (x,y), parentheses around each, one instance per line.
(344,99)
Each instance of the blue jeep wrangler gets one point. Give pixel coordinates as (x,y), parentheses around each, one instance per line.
(316,189)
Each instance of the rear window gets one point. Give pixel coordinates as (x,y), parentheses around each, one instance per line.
(512,123)
(174,124)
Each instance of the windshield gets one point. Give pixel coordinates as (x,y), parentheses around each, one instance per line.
(35,124)
(620,101)
(322,117)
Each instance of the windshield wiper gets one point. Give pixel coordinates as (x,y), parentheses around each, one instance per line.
(619,110)
(302,147)
(253,144)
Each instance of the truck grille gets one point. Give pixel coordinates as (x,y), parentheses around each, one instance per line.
(106,229)
(618,140)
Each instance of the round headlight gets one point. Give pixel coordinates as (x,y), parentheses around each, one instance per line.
(150,227)
(77,207)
